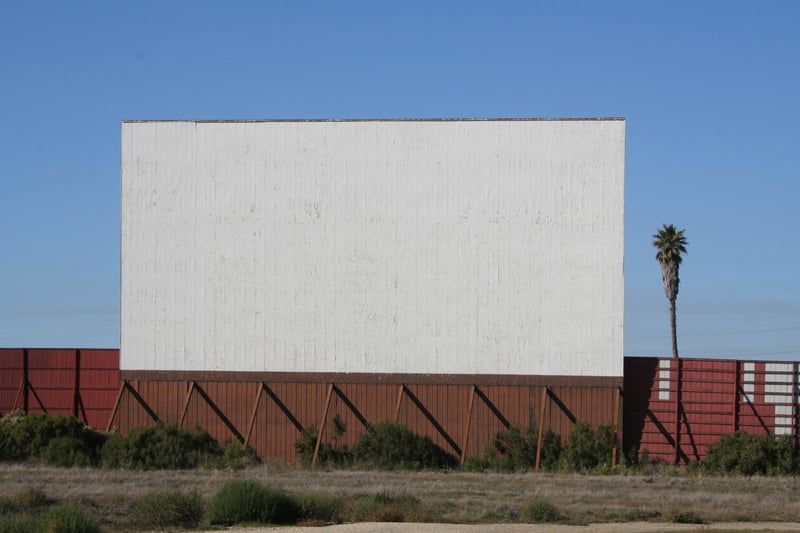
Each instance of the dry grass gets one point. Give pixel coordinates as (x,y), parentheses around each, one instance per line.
(450,497)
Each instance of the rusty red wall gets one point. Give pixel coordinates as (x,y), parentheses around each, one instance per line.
(271,418)
(676,408)
(79,382)
(673,408)
(10,378)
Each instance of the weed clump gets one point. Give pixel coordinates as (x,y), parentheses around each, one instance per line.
(540,511)
(245,500)
(165,509)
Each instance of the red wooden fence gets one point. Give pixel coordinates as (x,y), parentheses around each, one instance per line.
(673,408)
(78,382)
(676,408)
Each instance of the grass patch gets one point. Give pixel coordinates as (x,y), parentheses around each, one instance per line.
(70,518)
(20,523)
(385,507)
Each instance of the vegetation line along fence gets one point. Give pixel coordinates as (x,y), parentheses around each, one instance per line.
(673,408)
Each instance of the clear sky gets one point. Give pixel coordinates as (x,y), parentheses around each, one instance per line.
(710,91)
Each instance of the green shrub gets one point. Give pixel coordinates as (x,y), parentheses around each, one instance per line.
(512,450)
(70,518)
(328,455)
(237,456)
(540,511)
(30,436)
(321,507)
(305,443)
(748,454)
(66,452)
(587,449)
(160,447)
(245,500)
(551,450)
(392,446)
(159,510)
(382,507)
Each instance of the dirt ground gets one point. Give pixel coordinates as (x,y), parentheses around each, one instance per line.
(627,527)
(493,502)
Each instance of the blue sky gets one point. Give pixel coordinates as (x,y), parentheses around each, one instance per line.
(709,90)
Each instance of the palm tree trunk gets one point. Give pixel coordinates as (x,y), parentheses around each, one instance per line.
(673,327)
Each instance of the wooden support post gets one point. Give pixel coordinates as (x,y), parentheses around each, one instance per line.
(116,406)
(322,424)
(471,403)
(677,438)
(253,414)
(615,428)
(400,392)
(540,437)
(185,410)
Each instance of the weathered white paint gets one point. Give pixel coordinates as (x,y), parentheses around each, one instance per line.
(374,246)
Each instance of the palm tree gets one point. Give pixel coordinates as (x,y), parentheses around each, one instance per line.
(671,245)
